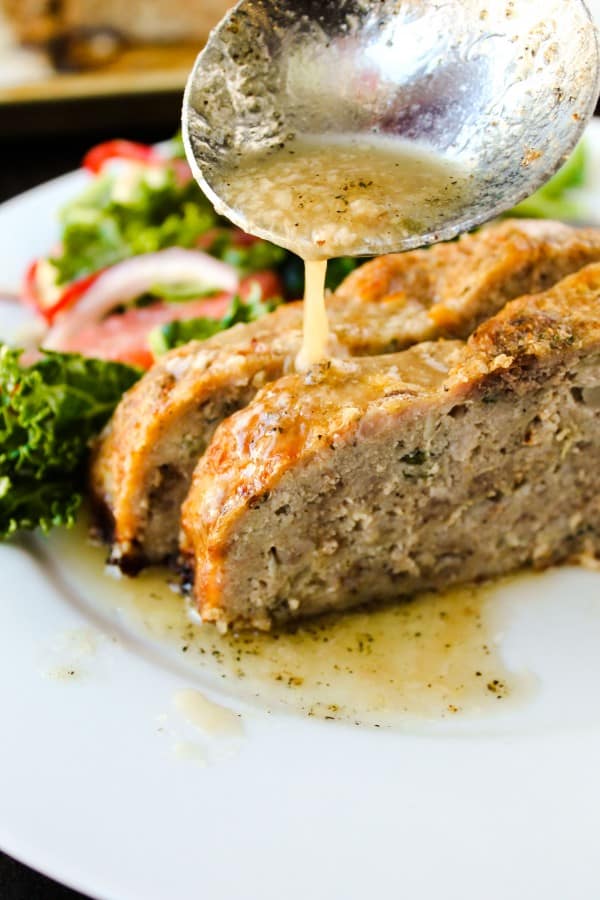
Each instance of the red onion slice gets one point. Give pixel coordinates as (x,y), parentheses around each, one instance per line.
(133,277)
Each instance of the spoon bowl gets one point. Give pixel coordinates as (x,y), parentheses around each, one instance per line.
(502,87)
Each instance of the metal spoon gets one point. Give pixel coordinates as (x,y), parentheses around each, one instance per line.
(505,86)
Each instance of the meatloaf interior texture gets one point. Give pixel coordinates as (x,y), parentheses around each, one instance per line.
(371,479)
(143,463)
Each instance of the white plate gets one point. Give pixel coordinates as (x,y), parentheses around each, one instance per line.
(93,794)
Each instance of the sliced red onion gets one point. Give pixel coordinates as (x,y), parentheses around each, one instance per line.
(133,277)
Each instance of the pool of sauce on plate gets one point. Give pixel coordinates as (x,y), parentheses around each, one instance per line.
(338,195)
(434,657)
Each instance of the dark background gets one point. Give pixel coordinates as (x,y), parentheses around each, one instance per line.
(39,142)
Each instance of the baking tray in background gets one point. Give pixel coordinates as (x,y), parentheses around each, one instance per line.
(140,84)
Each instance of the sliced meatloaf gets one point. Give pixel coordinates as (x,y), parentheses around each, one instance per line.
(372,479)
(143,463)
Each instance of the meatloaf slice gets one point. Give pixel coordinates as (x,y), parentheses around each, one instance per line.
(372,479)
(461,283)
(143,464)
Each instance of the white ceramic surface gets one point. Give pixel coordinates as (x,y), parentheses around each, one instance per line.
(92,793)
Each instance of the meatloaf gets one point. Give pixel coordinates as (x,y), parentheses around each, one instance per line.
(143,463)
(372,479)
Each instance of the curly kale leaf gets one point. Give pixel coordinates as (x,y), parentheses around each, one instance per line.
(49,411)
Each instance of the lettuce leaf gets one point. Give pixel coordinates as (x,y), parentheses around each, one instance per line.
(99,230)
(552,200)
(249,258)
(182,331)
(49,411)
(106,224)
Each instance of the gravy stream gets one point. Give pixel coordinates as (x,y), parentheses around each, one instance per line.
(336,195)
(316,327)
(431,658)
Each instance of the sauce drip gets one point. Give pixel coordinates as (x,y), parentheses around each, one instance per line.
(316,326)
(337,195)
(208,717)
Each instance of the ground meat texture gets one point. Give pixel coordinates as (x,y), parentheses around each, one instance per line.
(142,465)
(372,479)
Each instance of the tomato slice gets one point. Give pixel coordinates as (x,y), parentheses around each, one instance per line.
(95,158)
(29,289)
(33,297)
(268,281)
(183,173)
(124,337)
(72,293)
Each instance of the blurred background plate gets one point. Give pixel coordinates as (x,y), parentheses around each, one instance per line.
(64,51)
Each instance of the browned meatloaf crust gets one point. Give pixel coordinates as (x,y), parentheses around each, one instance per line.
(371,479)
(143,463)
